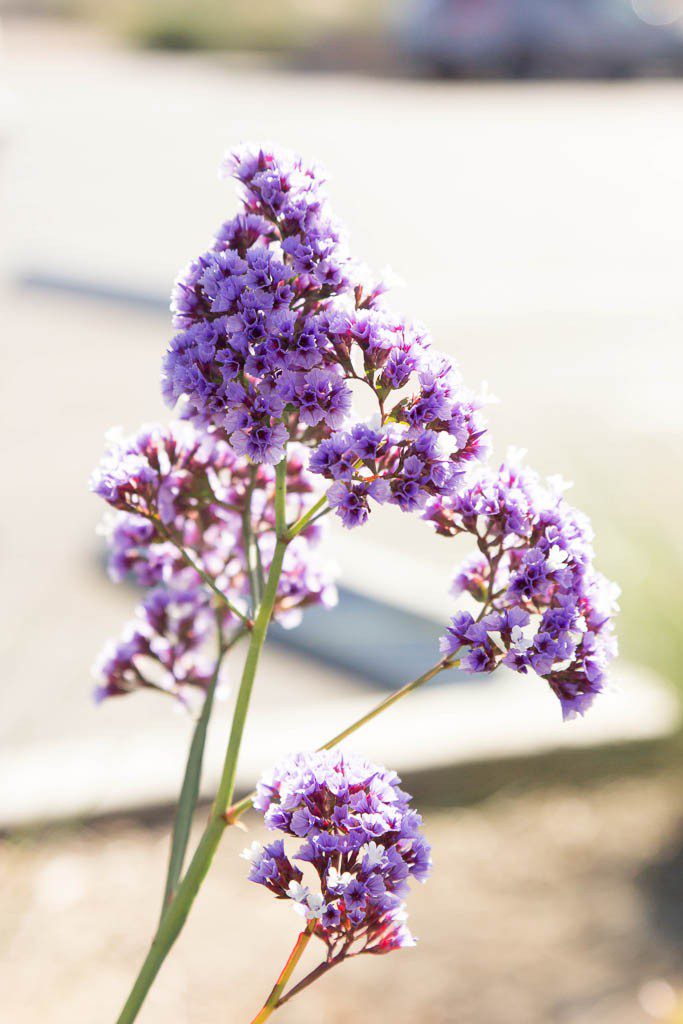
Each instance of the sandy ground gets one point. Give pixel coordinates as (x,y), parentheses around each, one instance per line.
(556,906)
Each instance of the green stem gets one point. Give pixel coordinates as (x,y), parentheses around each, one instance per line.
(387,703)
(173,920)
(189,792)
(258,635)
(302,523)
(250,543)
(204,576)
(273,999)
(188,796)
(325,512)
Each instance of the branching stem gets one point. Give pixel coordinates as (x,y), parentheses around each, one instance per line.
(204,576)
(176,913)
(189,793)
(274,999)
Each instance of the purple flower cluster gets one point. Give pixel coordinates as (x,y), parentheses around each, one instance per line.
(545,606)
(162,649)
(276,325)
(394,464)
(360,840)
(160,472)
(182,497)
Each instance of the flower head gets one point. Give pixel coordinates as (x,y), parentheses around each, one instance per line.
(156,473)
(162,649)
(203,488)
(180,498)
(276,325)
(549,610)
(360,837)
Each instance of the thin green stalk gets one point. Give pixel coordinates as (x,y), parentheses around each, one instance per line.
(302,523)
(251,546)
(227,783)
(261,576)
(189,792)
(188,795)
(325,512)
(273,999)
(387,703)
(204,576)
(173,920)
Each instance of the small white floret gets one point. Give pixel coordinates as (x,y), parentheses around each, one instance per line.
(252,853)
(337,880)
(556,558)
(520,642)
(297,892)
(374,853)
(316,906)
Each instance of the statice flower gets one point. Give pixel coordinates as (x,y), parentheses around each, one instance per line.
(546,608)
(359,840)
(136,550)
(277,322)
(397,463)
(179,486)
(162,649)
(158,472)
(180,499)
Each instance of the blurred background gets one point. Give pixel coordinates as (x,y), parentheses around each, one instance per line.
(519,166)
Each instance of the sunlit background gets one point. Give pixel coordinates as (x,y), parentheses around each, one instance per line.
(519,166)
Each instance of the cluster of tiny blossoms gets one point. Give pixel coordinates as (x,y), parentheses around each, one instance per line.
(163,648)
(360,840)
(181,496)
(547,609)
(277,325)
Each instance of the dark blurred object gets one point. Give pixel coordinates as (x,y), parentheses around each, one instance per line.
(544,38)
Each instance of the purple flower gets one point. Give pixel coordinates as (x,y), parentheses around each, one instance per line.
(243,231)
(350,501)
(319,395)
(180,487)
(479,658)
(456,635)
(271,867)
(472,578)
(335,458)
(150,473)
(548,609)
(162,649)
(261,443)
(277,320)
(362,840)
(395,934)
(389,464)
